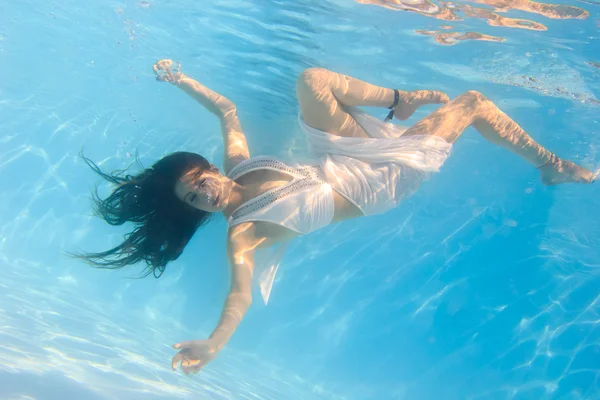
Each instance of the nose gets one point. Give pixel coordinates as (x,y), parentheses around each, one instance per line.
(212,185)
(209,190)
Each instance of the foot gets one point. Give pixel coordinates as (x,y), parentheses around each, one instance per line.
(410,101)
(558,171)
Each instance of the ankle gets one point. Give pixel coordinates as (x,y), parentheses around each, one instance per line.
(392,108)
(550,159)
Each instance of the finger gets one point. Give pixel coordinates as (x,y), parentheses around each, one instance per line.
(195,369)
(175,360)
(193,363)
(186,369)
(182,345)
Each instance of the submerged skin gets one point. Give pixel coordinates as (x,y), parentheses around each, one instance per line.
(322,95)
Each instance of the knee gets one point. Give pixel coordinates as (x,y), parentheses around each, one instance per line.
(312,78)
(473,96)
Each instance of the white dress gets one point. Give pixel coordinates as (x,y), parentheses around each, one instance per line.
(376,173)
(373,173)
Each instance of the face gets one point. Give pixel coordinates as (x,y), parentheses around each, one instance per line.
(206,191)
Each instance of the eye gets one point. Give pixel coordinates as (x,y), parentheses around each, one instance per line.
(202,182)
(193,198)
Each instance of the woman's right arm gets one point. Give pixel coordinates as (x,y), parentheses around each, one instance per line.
(234,140)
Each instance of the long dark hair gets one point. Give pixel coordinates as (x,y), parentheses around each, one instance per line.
(163,223)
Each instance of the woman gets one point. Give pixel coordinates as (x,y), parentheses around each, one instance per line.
(364,167)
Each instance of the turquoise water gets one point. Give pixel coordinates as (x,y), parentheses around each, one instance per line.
(483,286)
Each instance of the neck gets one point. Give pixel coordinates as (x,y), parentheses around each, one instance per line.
(236,195)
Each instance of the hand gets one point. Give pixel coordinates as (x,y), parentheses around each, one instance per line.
(410,101)
(168,71)
(194,355)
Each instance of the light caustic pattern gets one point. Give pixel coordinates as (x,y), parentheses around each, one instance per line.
(547,337)
(56,343)
(483,286)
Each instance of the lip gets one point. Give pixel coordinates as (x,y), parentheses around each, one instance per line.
(216,202)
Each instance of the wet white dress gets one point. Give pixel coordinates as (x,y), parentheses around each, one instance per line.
(376,173)
(373,173)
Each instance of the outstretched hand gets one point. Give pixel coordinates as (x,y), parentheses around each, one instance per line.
(410,101)
(167,71)
(193,355)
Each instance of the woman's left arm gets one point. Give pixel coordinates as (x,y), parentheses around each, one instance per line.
(239,299)
(194,354)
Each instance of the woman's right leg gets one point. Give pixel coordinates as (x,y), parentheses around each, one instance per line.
(473,109)
(322,95)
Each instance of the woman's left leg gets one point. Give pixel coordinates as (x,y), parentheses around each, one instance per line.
(473,109)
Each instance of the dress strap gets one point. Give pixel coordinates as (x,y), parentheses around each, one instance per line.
(261,162)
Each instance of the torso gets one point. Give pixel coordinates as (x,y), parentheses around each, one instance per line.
(265,233)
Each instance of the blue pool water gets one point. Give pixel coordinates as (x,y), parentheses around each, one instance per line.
(483,286)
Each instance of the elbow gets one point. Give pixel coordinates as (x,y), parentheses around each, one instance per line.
(242,297)
(247,299)
(227,107)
